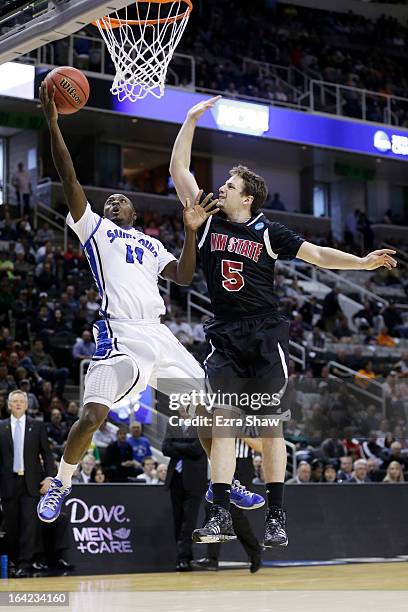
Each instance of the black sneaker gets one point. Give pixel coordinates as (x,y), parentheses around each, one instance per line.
(256,564)
(218,528)
(275,532)
(205,564)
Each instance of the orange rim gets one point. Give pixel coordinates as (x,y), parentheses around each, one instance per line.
(107,22)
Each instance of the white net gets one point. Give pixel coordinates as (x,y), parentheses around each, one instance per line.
(141,42)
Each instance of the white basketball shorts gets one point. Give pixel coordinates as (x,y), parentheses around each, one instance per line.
(156,357)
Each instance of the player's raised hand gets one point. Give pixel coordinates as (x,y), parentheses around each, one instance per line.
(199,109)
(47,103)
(380,259)
(196,213)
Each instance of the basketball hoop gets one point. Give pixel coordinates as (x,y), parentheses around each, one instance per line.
(141,48)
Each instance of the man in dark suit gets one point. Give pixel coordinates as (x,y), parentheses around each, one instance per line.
(187,481)
(23,478)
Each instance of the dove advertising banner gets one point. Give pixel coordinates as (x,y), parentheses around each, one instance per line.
(111,531)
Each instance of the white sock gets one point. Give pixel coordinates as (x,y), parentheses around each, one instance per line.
(65,472)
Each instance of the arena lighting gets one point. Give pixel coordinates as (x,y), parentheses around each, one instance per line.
(17,80)
(242,117)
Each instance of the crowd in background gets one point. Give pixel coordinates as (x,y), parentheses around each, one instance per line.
(339,48)
(48,305)
(342,48)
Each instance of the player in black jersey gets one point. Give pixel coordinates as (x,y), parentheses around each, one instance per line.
(247,336)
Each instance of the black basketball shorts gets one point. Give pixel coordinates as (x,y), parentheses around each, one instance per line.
(247,364)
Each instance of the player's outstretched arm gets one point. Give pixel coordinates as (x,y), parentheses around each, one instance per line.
(194,215)
(184,181)
(74,194)
(333,259)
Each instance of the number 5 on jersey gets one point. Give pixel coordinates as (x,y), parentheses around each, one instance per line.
(231,272)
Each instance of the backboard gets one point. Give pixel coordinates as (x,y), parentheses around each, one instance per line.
(25,26)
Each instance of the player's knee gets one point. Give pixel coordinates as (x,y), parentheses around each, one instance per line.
(93,416)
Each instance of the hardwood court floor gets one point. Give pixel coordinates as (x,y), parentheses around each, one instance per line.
(379,587)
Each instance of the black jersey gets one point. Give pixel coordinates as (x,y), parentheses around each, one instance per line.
(238,260)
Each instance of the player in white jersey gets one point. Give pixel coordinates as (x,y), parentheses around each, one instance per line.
(133,349)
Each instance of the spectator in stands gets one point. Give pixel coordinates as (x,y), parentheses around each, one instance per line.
(22,183)
(370,447)
(161,473)
(384,338)
(401,437)
(45,234)
(198,330)
(364,318)
(140,444)
(373,470)
(392,319)
(275,203)
(84,347)
(351,444)
(345,472)
(303,474)
(364,375)
(8,230)
(402,364)
(84,471)
(119,458)
(71,414)
(309,310)
(296,330)
(394,473)
(178,325)
(316,474)
(98,475)
(341,330)
(92,306)
(22,310)
(360,472)
(105,435)
(56,428)
(43,364)
(57,323)
(330,310)
(364,227)
(40,325)
(370,420)
(33,405)
(149,475)
(332,447)
(317,424)
(329,473)
(6,301)
(395,454)
(7,382)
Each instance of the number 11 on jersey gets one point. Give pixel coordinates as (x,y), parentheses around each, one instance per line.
(129,254)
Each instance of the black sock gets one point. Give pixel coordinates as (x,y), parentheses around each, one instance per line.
(221,494)
(274,492)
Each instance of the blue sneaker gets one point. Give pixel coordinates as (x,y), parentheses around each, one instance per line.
(240,497)
(50,504)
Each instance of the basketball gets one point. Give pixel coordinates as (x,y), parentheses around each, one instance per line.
(72,89)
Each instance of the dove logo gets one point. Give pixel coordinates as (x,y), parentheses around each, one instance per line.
(80,512)
(103,538)
(122,534)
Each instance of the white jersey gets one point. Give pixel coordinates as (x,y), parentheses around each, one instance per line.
(125,264)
